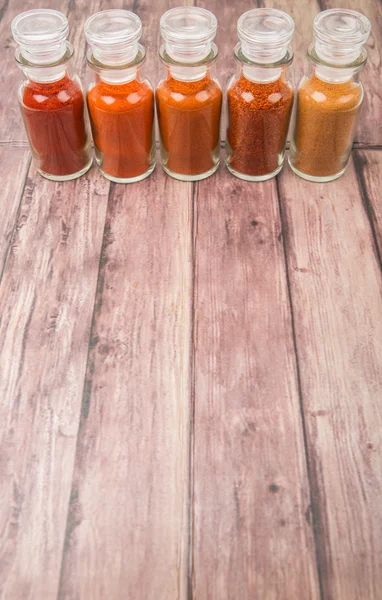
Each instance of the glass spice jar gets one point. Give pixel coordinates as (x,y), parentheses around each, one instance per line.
(189,98)
(120,101)
(50,97)
(330,96)
(259,97)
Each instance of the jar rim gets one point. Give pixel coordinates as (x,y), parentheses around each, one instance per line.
(358,63)
(168,60)
(97,65)
(23,62)
(286,60)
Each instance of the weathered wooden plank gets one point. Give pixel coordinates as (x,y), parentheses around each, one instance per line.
(369,129)
(128,520)
(336,297)
(46,304)
(252,530)
(369,170)
(14,165)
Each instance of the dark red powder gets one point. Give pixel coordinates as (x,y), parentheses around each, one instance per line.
(259,115)
(54,119)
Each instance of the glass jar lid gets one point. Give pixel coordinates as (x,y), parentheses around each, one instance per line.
(265,34)
(41,35)
(340,35)
(113,36)
(188,32)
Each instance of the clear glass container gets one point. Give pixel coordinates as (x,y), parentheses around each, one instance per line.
(259,96)
(330,96)
(51,97)
(189,98)
(120,101)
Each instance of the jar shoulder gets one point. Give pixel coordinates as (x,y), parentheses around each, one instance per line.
(259,95)
(114,96)
(325,94)
(202,91)
(42,95)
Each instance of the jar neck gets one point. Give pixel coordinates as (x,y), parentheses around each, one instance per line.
(335,75)
(45,71)
(118,76)
(46,74)
(259,74)
(188,72)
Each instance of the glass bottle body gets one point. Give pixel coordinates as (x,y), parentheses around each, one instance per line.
(53,109)
(328,103)
(189,101)
(260,101)
(121,110)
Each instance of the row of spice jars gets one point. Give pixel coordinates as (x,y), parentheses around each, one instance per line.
(189,99)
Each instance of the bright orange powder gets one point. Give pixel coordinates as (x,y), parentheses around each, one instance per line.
(189,122)
(122,118)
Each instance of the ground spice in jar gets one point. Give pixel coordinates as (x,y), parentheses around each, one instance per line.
(325,123)
(259,115)
(189,122)
(54,120)
(122,119)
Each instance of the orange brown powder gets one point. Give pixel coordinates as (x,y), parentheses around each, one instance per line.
(189,122)
(259,115)
(325,124)
(122,119)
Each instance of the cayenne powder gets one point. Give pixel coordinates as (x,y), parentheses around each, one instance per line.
(259,115)
(122,123)
(189,122)
(54,119)
(325,123)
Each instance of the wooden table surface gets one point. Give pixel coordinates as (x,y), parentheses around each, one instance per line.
(191,374)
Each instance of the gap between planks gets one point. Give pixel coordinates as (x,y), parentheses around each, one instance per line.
(314,503)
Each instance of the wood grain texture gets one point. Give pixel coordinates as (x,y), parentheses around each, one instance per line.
(127,530)
(369,171)
(369,130)
(336,297)
(13,161)
(252,531)
(46,303)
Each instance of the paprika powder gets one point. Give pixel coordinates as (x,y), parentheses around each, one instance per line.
(189,121)
(260,99)
(189,99)
(51,99)
(120,102)
(329,99)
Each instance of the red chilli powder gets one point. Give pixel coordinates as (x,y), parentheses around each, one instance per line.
(54,120)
